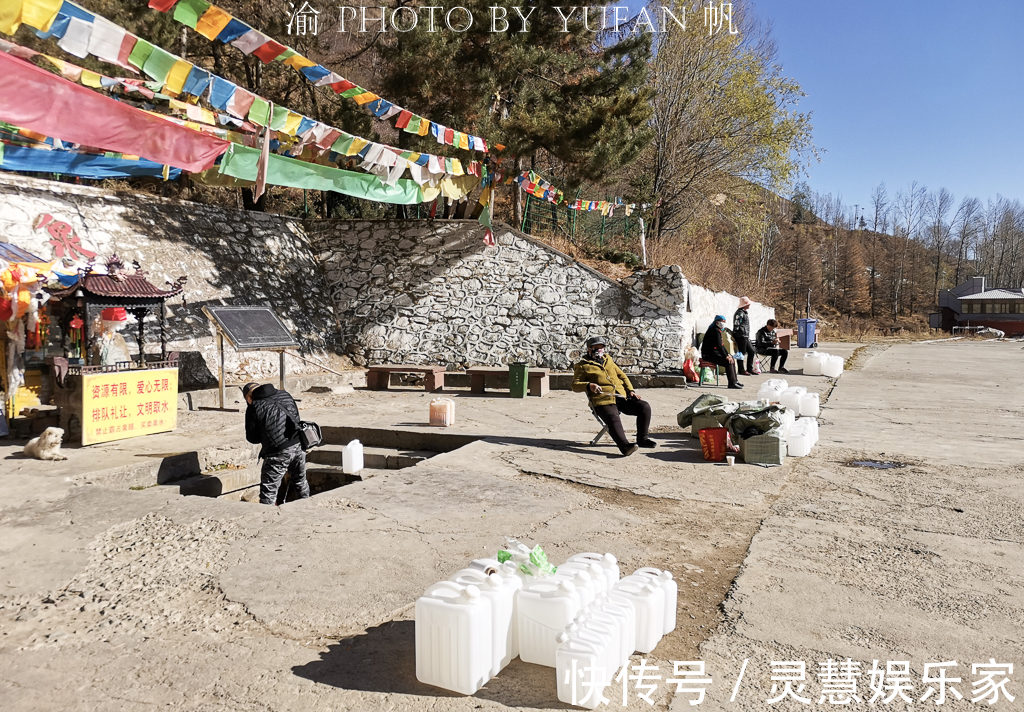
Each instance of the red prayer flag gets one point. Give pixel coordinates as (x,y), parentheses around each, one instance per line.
(40,101)
(127,45)
(403,119)
(162,5)
(342,86)
(449,136)
(269,51)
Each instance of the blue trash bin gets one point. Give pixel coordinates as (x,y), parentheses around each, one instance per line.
(806,338)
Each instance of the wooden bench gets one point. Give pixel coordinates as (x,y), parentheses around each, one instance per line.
(378,377)
(537,378)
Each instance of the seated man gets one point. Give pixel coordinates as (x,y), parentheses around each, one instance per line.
(768,345)
(713,350)
(610,393)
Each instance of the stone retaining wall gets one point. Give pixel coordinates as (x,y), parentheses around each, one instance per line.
(431,292)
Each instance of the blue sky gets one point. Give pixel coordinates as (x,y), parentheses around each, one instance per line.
(925,90)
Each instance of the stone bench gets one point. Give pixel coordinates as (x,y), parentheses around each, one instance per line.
(378,377)
(537,378)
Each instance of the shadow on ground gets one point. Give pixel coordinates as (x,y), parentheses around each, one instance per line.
(384,660)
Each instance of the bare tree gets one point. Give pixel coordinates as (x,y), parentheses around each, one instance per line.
(880,205)
(937,206)
(910,212)
(967,226)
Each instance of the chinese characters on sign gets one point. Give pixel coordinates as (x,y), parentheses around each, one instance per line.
(127,404)
(63,239)
(839,682)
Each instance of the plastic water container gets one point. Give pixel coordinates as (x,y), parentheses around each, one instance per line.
(442,412)
(790,398)
(788,418)
(453,638)
(595,579)
(812,425)
(833,368)
(352,457)
(665,579)
(599,636)
(798,442)
(502,595)
(624,613)
(771,389)
(810,405)
(545,609)
(577,678)
(606,561)
(584,583)
(649,606)
(813,361)
(594,623)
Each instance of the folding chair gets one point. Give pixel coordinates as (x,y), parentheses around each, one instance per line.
(604,428)
(764,362)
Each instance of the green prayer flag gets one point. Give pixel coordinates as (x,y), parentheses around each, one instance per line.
(289,52)
(259,112)
(414,125)
(159,64)
(354,91)
(241,162)
(342,144)
(140,53)
(278,118)
(188,12)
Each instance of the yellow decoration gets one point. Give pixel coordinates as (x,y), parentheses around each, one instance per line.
(40,14)
(10,16)
(178,75)
(212,22)
(91,79)
(297,62)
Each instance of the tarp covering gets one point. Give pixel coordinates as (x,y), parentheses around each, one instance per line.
(242,162)
(35,99)
(83,165)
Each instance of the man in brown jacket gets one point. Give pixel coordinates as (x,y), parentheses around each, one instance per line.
(611,394)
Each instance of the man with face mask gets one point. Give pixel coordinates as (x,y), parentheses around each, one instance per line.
(712,349)
(611,394)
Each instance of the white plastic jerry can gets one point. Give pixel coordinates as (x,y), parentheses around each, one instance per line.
(502,596)
(442,412)
(607,626)
(790,398)
(810,405)
(545,608)
(667,582)
(608,563)
(649,607)
(833,367)
(799,439)
(813,361)
(453,638)
(622,610)
(352,457)
(577,670)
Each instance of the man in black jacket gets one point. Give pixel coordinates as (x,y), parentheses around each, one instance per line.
(712,349)
(271,420)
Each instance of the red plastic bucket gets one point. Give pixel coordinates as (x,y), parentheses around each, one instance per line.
(714,442)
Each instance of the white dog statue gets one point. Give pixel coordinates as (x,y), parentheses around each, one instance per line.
(46,446)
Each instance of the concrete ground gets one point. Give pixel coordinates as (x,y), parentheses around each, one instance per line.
(114,598)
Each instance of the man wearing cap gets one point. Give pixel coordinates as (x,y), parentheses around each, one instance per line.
(610,393)
(271,420)
(741,334)
(712,349)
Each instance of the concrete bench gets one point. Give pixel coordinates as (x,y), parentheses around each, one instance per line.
(538,379)
(378,377)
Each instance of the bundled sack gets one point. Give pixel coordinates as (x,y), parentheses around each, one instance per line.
(760,435)
(703,403)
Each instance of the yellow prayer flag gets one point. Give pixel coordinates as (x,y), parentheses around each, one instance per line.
(365,98)
(457,166)
(463,142)
(291,124)
(175,104)
(176,79)
(358,144)
(424,127)
(129,157)
(40,14)
(91,79)
(10,16)
(212,22)
(297,62)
